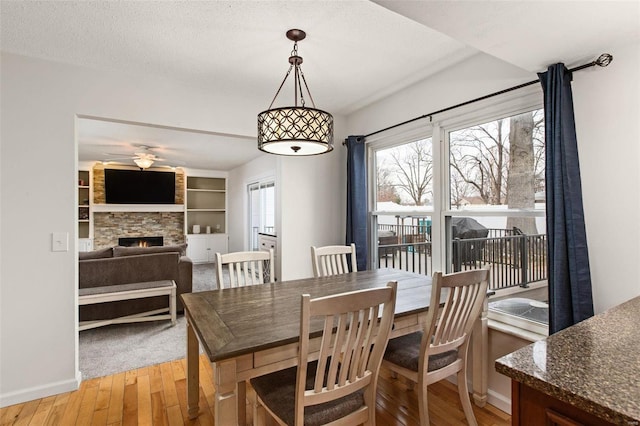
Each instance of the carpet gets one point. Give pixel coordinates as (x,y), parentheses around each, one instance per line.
(122,347)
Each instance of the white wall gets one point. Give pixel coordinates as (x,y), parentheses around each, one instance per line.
(607,109)
(40,102)
(478,76)
(304,186)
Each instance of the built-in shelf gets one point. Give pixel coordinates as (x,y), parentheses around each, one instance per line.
(206,199)
(110,208)
(84,208)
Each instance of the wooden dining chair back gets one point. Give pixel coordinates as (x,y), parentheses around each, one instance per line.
(333,260)
(339,385)
(441,349)
(244,268)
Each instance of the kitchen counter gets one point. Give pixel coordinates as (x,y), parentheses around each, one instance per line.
(593,366)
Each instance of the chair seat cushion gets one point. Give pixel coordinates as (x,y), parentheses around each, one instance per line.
(405,352)
(277,391)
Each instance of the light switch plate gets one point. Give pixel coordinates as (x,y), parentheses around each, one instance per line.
(60,241)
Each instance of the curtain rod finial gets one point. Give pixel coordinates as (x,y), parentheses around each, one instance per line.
(604,60)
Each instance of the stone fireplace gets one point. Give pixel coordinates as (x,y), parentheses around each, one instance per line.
(122,221)
(110,226)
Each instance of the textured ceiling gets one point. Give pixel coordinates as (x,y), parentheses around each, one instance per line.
(356,51)
(237,45)
(530,34)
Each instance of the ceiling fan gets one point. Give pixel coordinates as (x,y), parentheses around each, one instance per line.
(143,158)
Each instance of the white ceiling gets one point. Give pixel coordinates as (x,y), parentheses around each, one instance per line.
(356,51)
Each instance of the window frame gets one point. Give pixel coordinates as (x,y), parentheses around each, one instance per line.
(501,106)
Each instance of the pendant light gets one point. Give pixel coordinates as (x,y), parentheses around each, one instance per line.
(295,130)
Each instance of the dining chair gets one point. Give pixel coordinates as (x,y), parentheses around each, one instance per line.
(244,268)
(339,383)
(333,260)
(441,348)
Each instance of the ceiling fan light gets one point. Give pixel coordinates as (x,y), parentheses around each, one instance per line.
(143,163)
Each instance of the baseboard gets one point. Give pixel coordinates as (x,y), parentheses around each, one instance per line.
(499,401)
(38,392)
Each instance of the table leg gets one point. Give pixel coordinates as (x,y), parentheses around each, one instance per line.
(226,393)
(480,341)
(193,373)
(242,403)
(172,305)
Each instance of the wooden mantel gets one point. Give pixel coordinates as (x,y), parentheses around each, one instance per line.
(111,208)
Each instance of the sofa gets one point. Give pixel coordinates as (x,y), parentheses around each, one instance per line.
(127,265)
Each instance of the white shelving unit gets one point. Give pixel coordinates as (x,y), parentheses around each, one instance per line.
(84,211)
(202,248)
(206,201)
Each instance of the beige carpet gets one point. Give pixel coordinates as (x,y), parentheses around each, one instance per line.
(116,348)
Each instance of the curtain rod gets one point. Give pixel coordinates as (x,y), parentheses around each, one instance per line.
(602,61)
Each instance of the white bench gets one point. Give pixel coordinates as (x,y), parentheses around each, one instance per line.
(111,293)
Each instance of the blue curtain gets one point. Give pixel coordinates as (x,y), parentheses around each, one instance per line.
(570,299)
(357,198)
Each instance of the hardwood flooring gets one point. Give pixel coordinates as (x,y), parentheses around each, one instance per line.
(156,395)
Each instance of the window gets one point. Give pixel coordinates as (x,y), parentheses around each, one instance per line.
(404,205)
(495,213)
(467,192)
(262,213)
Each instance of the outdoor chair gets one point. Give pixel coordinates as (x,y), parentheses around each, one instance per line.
(440,350)
(339,386)
(333,260)
(244,268)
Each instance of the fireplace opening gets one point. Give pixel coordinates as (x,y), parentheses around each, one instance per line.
(140,241)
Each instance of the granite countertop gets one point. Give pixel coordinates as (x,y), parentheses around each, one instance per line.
(593,365)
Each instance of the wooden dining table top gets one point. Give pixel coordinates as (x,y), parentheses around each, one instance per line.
(239,321)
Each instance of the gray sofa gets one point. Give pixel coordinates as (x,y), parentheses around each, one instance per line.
(126,265)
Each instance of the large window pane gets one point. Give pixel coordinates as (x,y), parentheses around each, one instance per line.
(404,202)
(404,175)
(499,163)
(496,176)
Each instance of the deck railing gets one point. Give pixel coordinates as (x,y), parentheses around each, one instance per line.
(516,259)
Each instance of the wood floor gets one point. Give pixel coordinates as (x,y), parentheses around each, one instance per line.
(156,395)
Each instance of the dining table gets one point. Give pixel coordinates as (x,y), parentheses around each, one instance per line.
(250,331)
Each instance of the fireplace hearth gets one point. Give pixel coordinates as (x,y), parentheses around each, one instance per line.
(140,241)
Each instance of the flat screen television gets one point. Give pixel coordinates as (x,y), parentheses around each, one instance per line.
(139,187)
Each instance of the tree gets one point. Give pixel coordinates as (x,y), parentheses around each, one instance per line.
(413,168)
(386,190)
(460,190)
(521,178)
(479,158)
